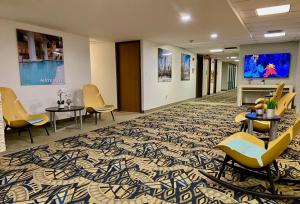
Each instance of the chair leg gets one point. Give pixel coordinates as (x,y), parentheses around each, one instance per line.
(226,159)
(100,116)
(96,118)
(6,127)
(19,132)
(46,130)
(28,128)
(269,173)
(85,116)
(112,115)
(242,127)
(245,127)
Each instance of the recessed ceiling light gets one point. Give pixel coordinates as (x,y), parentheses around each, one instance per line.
(227,57)
(233,57)
(236,60)
(216,50)
(185,17)
(214,35)
(274,34)
(273,10)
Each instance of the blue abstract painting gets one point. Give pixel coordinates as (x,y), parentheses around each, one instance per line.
(275,65)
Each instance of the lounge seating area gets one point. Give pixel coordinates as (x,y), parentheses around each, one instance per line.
(122,102)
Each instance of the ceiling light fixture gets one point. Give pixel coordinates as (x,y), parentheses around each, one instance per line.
(185,17)
(233,57)
(236,60)
(274,34)
(214,35)
(167,54)
(273,10)
(216,50)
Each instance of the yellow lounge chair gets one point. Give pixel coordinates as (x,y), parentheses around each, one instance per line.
(15,115)
(253,153)
(261,101)
(94,103)
(264,126)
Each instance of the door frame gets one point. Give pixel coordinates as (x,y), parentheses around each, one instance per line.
(117,44)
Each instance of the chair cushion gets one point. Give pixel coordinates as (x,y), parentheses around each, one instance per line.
(103,109)
(35,120)
(247,148)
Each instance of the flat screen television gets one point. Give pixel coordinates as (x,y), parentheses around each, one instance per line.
(275,65)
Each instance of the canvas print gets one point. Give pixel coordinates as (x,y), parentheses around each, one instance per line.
(275,65)
(185,67)
(164,65)
(41,58)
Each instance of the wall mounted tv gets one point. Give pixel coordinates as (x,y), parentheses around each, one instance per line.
(275,65)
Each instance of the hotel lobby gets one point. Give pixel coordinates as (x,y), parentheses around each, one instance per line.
(130,101)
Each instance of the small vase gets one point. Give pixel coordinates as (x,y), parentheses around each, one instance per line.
(270,113)
(61,106)
(260,111)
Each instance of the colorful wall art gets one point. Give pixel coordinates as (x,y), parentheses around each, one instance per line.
(164,65)
(41,58)
(185,67)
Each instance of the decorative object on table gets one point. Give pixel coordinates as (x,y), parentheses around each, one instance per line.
(262,82)
(62,93)
(271,106)
(41,58)
(164,65)
(260,111)
(250,80)
(69,101)
(185,67)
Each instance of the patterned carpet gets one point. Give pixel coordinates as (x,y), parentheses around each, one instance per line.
(152,159)
(222,97)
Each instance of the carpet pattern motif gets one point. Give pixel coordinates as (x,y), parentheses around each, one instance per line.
(222,97)
(151,159)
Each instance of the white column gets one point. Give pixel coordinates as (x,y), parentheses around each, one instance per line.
(2,138)
(45,49)
(31,46)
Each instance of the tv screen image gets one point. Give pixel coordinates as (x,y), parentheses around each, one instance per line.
(275,65)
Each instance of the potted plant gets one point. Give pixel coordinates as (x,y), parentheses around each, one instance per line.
(271,106)
(60,102)
(62,93)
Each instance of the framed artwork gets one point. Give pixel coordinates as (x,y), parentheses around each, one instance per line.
(164,65)
(185,67)
(41,58)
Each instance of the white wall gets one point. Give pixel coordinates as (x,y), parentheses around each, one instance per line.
(37,98)
(219,75)
(156,94)
(103,69)
(2,138)
(205,76)
(224,82)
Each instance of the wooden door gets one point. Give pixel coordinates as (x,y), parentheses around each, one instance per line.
(199,78)
(128,60)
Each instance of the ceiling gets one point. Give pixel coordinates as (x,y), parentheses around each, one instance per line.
(159,20)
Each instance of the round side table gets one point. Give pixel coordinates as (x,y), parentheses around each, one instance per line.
(53,110)
(273,123)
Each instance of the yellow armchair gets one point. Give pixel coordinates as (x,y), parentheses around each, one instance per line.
(264,126)
(15,115)
(253,153)
(94,102)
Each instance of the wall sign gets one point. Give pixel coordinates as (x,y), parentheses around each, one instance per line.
(41,58)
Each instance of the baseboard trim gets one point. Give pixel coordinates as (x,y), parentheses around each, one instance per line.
(168,105)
